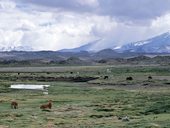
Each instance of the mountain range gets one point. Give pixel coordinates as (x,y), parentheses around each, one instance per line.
(15,48)
(157,44)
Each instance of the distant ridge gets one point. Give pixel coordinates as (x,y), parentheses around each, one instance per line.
(158,44)
(86,47)
(16,48)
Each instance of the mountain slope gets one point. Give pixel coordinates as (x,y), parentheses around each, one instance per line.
(158,44)
(86,47)
(94,46)
(15,48)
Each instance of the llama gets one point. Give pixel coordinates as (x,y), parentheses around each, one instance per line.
(46,106)
(129,78)
(149,77)
(14,105)
(106,77)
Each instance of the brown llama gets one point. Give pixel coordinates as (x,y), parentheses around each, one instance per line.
(46,106)
(14,105)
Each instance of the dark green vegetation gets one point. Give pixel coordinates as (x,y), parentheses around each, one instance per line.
(101,103)
(56,58)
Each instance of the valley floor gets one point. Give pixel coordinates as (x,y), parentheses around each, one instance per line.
(101,103)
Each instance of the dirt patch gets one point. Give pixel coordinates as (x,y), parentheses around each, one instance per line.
(104,109)
(50,79)
(101,116)
(2,126)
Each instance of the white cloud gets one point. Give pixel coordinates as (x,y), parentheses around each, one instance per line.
(6,4)
(93,3)
(10,38)
(54,30)
(161,24)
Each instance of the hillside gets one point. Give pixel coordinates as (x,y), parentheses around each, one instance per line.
(158,44)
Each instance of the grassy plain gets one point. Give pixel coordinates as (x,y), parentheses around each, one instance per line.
(101,103)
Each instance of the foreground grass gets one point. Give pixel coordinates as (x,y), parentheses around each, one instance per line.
(101,103)
(79,105)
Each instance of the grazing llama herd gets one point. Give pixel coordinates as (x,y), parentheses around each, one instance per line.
(14,105)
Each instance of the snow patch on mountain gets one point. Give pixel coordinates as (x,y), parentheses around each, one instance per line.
(158,44)
(93,46)
(16,48)
(117,47)
(141,43)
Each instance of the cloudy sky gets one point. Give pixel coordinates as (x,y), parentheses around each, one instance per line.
(59,24)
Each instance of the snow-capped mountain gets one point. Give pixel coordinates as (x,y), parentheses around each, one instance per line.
(93,46)
(16,48)
(158,44)
(86,47)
